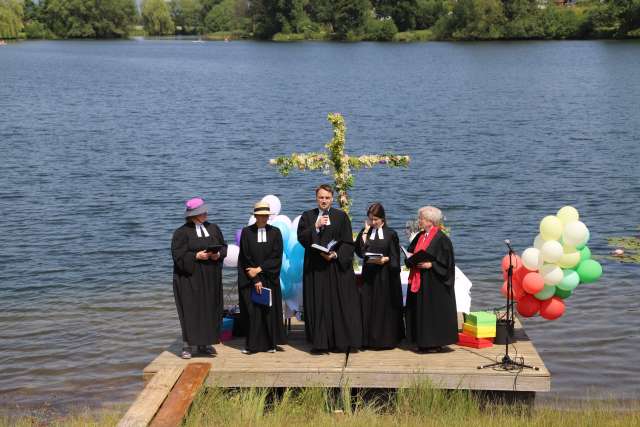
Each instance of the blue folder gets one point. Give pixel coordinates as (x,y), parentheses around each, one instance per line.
(264,298)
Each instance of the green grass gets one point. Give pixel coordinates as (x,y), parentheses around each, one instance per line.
(78,418)
(413,36)
(419,406)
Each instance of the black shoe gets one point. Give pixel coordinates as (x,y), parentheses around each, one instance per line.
(207,350)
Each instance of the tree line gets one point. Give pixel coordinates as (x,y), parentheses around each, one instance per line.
(352,20)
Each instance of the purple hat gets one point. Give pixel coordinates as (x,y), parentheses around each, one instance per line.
(194,207)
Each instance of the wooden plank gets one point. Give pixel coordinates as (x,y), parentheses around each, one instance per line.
(150,398)
(400,367)
(177,403)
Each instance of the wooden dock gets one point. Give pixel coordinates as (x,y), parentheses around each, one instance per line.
(397,368)
(172,383)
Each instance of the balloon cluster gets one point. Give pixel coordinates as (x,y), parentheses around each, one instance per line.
(292,256)
(548,273)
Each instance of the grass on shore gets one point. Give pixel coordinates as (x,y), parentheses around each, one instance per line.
(420,405)
(417,406)
(79,418)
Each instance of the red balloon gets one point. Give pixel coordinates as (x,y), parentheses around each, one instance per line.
(533,283)
(516,289)
(515,261)
(552,308)
(519,275)
(528,306)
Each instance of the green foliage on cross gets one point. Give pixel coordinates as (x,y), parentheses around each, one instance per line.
(336,162)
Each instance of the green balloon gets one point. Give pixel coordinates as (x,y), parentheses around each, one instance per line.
(561,293)
(589,271)
(546,293)
(570,280)
(585,253)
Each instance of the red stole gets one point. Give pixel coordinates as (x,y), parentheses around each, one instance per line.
(422,245)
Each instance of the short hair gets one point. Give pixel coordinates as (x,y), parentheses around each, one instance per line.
(325,187)
(431,213)
(376,209)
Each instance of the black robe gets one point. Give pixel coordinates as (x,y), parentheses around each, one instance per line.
(381,293)
(431,315)
(332,318)
(263,326)
(197,285)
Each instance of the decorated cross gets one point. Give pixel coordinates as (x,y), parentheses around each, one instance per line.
(335,161)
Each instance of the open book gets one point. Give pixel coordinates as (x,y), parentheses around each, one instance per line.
(330,246)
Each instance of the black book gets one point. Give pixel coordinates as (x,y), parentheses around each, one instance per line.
(418,257)
(213,249)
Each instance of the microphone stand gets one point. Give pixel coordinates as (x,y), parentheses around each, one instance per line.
(507,363)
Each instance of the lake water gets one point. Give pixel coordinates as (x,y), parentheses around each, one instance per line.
(101,142)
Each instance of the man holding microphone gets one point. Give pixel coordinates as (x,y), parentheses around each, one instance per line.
(331,301)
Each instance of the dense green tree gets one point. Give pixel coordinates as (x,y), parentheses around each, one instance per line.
(429,11)
(275,16)
(225,16)
(473,20)
(351,18)
(89,18)
(403,12)
(321,11)
(381,30)
(11,15)
(187,14)
(616,18)
(156,18)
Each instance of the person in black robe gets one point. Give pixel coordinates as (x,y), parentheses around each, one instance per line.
(331,303)
(431,315)
(198,249)
(259,265)
(381,292)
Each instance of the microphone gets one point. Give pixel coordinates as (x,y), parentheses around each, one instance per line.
(324,213)
(508,243)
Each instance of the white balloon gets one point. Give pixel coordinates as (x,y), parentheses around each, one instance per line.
(574,233)
(532,258)
(551,251)
(231,260)
(274,203)
(552,274)
(295,222)
(538,242)
(282,218)
(252,220)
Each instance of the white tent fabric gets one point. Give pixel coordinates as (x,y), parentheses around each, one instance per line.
(462,287)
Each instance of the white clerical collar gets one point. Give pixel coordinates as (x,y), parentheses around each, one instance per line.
(262,235)
(380,234)
(201,230)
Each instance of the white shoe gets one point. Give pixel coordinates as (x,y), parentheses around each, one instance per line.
(271,350)
(245,351)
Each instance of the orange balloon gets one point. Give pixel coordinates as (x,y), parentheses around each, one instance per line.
(528,306)
(516,262)
(533,283)
(552,308)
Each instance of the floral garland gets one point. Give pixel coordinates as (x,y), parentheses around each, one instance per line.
(337,162)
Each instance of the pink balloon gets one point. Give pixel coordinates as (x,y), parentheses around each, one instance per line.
(515,261)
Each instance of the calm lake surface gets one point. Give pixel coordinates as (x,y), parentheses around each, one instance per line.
(101,142)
